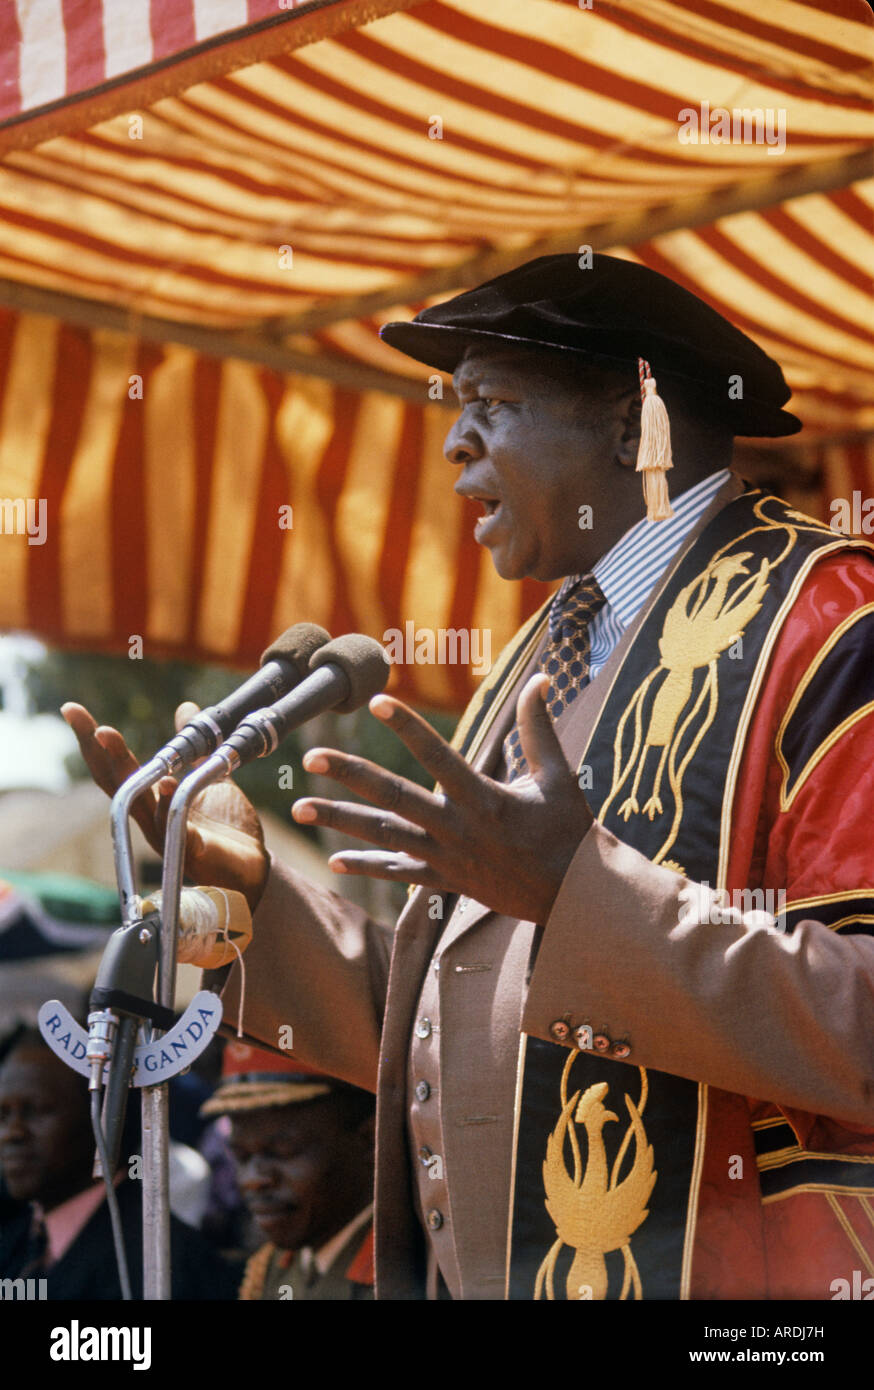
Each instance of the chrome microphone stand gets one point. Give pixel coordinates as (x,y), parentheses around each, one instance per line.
(155,1099)
(156,1194)
(156,1113)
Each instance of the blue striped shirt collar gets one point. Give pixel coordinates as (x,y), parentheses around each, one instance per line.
(628,572)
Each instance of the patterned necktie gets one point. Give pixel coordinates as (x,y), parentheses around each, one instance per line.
(565,658)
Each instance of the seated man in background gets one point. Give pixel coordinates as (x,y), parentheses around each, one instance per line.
(64,1234)
(303,1143)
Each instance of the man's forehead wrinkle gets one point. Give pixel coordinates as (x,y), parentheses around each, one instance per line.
(566,368)
(508,363)
(473,368)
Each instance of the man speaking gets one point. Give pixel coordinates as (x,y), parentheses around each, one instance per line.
(622,1037)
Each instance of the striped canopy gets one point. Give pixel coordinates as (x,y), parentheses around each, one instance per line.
(208,207)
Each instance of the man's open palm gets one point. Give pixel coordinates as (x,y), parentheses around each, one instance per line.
(225,843)
(505,845)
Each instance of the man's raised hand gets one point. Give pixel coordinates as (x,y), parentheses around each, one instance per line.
(224,845)
(505,845)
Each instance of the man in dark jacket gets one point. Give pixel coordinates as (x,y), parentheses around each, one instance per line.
(62,1232)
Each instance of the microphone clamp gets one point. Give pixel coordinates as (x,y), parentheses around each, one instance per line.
(102,1026)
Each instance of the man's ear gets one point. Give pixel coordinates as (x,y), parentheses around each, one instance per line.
(628,441)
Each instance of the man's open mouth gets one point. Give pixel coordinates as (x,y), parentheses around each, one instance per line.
(490,519)
(490,509)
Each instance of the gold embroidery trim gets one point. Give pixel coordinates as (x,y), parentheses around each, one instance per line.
(756,583)
(593,1213)
(842,543)
(698,627)
(695,1189)
(779,1158)
(845,921)
(845,895)
(851,1235)
(517,1120)
(815,1187)
(786,797)
(867,1209)
(500,679)
(708,616)
(703,621)
(849,895)
(722,870)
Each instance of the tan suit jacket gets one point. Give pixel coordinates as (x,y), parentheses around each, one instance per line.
(688,999)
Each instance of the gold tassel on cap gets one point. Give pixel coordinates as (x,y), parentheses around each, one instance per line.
(654,455)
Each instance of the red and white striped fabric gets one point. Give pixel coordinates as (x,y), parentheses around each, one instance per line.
(67,55)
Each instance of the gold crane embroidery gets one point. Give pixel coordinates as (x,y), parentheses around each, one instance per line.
(592,1215)
(703,621)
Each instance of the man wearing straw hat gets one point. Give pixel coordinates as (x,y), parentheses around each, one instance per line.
(627,1016)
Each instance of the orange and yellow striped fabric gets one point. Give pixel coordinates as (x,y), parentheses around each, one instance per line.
(165,476)
(164,509)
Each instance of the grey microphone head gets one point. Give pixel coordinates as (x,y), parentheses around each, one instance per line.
(365,663)
(298,645)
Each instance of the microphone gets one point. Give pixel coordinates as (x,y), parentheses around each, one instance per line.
(344,675)
(282,666)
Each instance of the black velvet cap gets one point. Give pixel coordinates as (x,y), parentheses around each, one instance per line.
(614,311)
